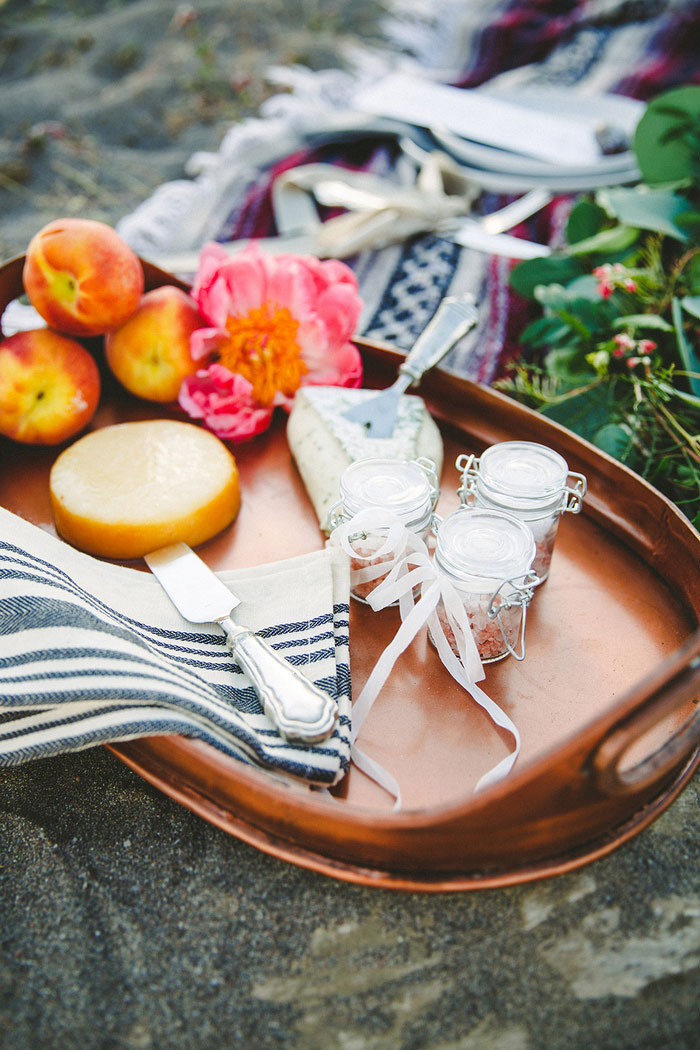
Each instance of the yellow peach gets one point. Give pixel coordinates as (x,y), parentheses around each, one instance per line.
(82,277)
(49,387)
(150,353)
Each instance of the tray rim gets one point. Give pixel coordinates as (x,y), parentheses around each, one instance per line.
(376,878)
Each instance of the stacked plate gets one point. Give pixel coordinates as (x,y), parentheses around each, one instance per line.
(611,118)
(555,139)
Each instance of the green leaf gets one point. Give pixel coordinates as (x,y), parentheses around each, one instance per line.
(690,222)
(646,209)
(643,321)
(691,274)
(551,269)
(664,154)
(569,366)
(614,239)
(580,290)
(585,287)
(544,332)
(584,413)
(614,439)
(674,391)
(585,220)
(691,303)
(687,354)
(552,295)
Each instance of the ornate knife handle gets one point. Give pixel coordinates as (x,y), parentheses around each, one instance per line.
(300,710)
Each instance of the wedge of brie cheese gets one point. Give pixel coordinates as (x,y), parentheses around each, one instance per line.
(324,443)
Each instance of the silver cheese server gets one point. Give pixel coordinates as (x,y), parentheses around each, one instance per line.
(453,318)
(299,710)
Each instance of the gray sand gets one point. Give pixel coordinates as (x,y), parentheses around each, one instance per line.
(103,102)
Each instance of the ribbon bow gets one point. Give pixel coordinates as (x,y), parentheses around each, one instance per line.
(378,211)
(404,562)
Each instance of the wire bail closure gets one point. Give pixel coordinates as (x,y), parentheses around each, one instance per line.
(572,491)
(526,590)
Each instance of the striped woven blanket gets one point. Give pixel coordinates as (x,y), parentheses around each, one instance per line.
(95,653)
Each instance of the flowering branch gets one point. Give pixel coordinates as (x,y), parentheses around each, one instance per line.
(615,354)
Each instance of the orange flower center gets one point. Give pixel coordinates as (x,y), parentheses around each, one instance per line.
(263,348)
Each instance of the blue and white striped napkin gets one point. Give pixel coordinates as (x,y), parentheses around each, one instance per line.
(92,652)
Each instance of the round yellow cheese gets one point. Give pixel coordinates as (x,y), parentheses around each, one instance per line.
(130,488)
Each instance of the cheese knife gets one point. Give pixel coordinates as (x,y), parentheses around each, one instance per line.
(453,318)
(300,711)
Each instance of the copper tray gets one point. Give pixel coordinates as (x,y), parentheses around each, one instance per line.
(605,699)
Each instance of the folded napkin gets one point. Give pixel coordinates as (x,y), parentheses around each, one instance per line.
(93,653)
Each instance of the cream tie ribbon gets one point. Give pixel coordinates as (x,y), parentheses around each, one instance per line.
(379,212)
(405,563)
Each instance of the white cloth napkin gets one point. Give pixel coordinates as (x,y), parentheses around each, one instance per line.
(92,652)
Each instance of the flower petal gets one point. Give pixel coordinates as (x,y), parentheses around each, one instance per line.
(291,284)
(340,308)
(245,278)
(206,341)
(223,401)
(211,258)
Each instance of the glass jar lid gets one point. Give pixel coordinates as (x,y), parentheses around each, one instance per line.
(484,543)
(523,471)
(401,487)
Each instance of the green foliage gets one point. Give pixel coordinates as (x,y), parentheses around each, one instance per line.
(615,352)
(645,209)
(585,220)
(667,139)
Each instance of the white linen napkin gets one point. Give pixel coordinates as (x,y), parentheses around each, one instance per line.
(92,652)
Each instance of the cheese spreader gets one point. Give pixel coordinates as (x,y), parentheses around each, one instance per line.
(300,711)
(453,318)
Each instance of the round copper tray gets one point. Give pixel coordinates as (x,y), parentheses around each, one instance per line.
(605,700)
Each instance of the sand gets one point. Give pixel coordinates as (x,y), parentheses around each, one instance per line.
(104,100)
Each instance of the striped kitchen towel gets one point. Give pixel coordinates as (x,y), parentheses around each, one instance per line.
(92,652)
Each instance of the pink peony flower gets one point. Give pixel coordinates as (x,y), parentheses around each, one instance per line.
(276,322)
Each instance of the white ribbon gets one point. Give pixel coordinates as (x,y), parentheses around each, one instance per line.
(407,566)
(378,211)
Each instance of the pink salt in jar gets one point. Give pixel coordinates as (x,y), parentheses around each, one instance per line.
(486,556)
(403,490)
(528,480)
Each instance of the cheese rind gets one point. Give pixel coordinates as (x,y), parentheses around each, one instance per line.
(324,443)
(130,488)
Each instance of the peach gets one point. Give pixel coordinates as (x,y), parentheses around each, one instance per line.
(82,277)
(150,353)
(49,387)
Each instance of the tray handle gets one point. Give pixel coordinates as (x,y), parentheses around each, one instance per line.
(679,687)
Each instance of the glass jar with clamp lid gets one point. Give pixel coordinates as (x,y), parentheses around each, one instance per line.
(486,556)
(528,480)
(382,492)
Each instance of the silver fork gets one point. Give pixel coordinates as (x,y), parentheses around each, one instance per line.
(453,318)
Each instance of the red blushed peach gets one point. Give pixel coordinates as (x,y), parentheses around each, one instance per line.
(82,277)
(150,353)
(49,387)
